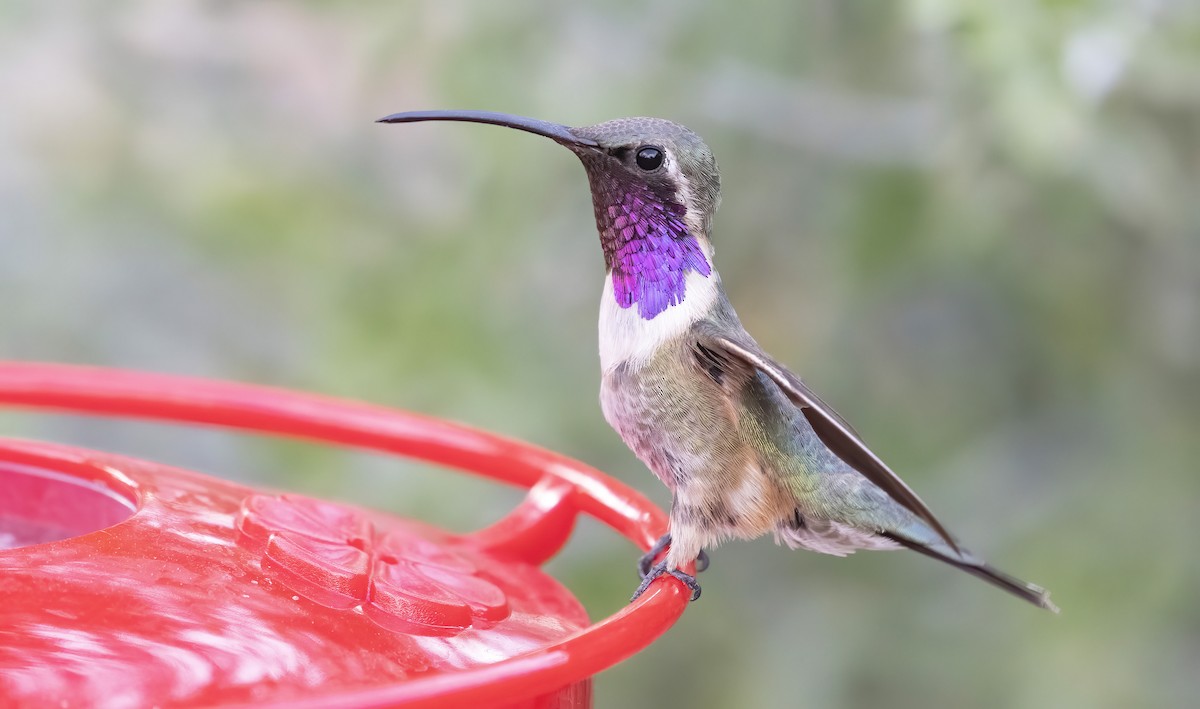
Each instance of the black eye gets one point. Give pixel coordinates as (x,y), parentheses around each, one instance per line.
(649,158)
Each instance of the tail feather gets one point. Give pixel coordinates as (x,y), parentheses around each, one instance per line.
(1036,595)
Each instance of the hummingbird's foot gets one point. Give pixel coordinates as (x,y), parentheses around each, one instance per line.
(660,569)
(646,561)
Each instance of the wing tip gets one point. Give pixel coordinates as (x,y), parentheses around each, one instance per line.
(1041,599)
(1029,592)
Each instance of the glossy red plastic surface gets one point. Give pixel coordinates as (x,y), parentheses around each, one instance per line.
(130,583)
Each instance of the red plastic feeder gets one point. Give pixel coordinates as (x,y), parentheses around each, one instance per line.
(129,583)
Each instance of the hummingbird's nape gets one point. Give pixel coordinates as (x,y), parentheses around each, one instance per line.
(744,445)
(558,133)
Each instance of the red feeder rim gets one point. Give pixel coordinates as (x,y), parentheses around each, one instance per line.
(560,488)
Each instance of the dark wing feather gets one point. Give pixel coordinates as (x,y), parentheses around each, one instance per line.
(831,428)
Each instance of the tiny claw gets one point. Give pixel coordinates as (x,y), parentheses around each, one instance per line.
(646,561)
(660,569)
(701,562)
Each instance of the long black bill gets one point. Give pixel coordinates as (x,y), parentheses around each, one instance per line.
(558,133)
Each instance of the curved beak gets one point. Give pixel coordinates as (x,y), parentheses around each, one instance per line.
(558,133)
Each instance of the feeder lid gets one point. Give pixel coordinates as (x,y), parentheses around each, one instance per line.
(209,592)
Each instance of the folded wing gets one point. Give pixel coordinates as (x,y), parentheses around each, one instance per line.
(831,428)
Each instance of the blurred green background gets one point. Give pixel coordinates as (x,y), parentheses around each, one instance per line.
(973,227)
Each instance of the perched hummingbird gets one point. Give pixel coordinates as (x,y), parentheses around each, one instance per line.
(745,447)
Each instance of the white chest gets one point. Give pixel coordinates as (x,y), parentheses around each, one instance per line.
(625,336)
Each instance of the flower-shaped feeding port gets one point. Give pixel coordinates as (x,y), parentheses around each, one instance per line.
(334,556)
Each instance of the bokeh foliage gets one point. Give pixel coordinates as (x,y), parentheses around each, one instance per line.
(975,227)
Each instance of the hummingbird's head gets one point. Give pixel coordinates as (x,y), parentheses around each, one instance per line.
(655,188)
(653,158)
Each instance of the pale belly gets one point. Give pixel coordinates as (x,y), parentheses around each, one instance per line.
(661,429)
(689,439)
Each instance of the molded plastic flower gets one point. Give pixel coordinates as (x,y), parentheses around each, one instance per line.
(334,556)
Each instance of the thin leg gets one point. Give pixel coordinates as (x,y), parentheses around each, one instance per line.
(660,569)
(646,561)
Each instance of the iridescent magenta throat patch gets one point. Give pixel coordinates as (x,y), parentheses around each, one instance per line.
(648,248)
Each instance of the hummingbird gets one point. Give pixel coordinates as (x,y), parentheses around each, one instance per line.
(745,447)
